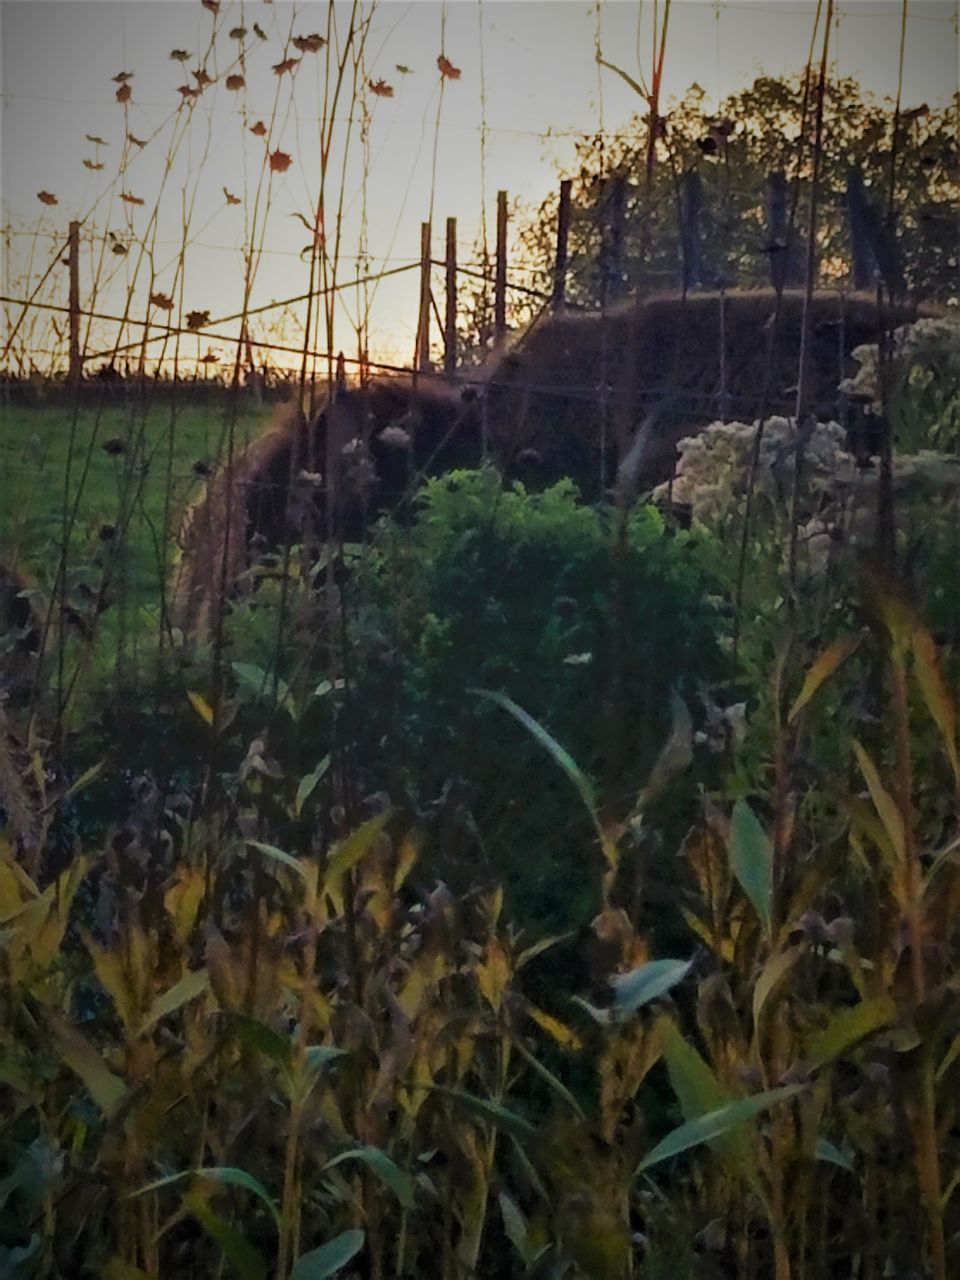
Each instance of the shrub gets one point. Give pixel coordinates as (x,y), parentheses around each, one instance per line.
(496,588)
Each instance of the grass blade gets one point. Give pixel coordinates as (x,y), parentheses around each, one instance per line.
(715,1124)
(329,1258)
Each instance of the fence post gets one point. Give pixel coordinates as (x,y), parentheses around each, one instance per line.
(450,318)
(615,221)
(422,362)
(691,207)
(76,368)
(500,280)
(563,236)
(777,246)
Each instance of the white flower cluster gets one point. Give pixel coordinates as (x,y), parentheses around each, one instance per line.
(713,470)
(838,499)
(914,346)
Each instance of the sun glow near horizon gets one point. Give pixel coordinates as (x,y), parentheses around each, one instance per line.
(197,184)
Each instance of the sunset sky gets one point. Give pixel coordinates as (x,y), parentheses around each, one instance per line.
(535,60)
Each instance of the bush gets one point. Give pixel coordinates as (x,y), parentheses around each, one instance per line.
(500,589)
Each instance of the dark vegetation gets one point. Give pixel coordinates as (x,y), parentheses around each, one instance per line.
(490,876)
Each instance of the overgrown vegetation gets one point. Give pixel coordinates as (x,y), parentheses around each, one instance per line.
(536,888)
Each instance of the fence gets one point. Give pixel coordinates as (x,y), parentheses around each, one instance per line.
(872,251)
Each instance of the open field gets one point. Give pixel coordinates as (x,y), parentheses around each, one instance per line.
(127,467)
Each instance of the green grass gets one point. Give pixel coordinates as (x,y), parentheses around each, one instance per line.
(51,461)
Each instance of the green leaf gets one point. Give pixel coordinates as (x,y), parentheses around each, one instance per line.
(751,859)
(259,682)
(631,991)
(492,1112)
(514,1224)
(193,984)
(560,754)
(776,968)
(824,667)
(278,855)
(238,1250)
(318,1055)
(715,1124)
(387,1170)
(349,851)
(256,1035)
(937,696)
(700,1093)
(85,779)
(949,853)
(307,784)
(329,1258)
(224,1175)
(847,1028)
(106,1089)
(825,1150)
(883,802)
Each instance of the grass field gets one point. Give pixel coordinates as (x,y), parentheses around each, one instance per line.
(125,467)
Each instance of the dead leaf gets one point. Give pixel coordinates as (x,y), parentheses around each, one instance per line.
(212,5)
(201,77)
(124,93)
(259,129)
(381,88)
(404,71)
(161,302)
(237,33)
(210,358)
(97,142)
(137,142)
(286,65)
(119,249)
(447,68)
(259,31)
(188,91)
(129,198)
(197,319)
(180,55)
(235,82)
(122,77)
(280,162)
(93,164)
(231,198)
(309,44)
(47,197)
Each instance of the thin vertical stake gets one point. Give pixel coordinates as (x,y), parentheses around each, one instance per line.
(74,259)
(563,236)
(422,362)
(500,281)
(450,319)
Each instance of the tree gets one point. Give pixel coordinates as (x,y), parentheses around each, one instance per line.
(717,202)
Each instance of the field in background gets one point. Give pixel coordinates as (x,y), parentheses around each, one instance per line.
(122,468)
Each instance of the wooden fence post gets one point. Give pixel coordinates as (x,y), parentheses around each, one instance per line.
(422,362)
(76,367)
(777,231)
(563,236)
(616,214)
(500,280)
(450,318)
(691,207)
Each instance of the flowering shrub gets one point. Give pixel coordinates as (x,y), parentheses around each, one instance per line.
(917,348)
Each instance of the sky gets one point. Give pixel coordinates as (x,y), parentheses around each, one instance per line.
(529,85)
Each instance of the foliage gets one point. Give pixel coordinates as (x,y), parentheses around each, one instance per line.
(492,587)
(726,157)
(304,1061)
